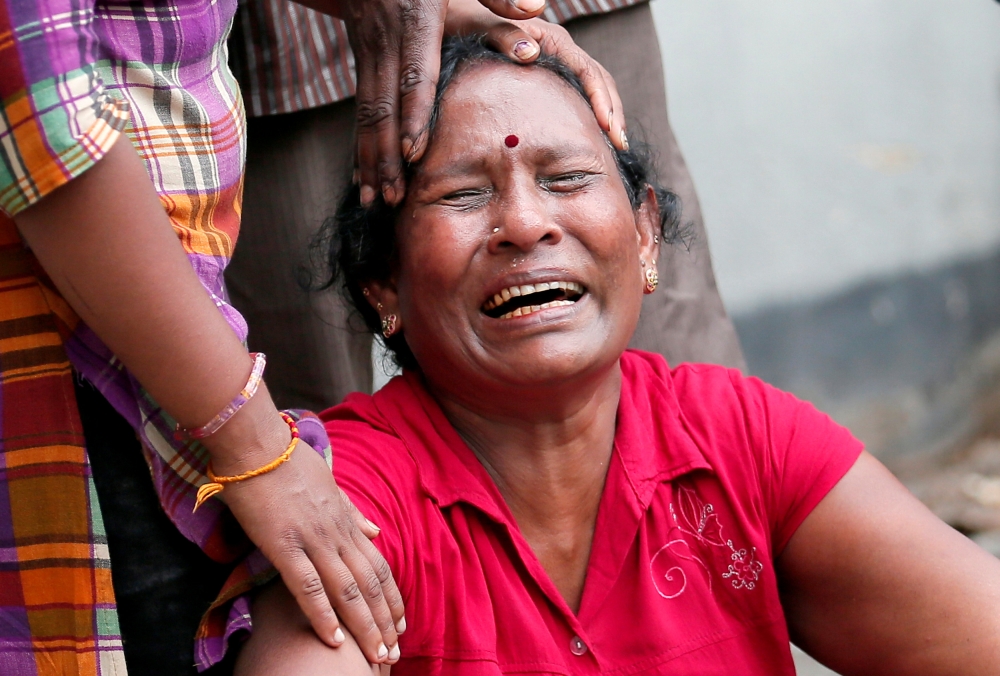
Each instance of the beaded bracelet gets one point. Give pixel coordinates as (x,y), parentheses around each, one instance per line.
(217,483)
(216,423)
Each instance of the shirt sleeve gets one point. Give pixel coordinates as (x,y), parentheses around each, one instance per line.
(379,476)
(802,453)
(58,120)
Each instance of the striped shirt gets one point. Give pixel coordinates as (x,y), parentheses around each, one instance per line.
(289,58)
(74,76)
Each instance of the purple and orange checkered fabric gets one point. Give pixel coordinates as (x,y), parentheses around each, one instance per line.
(75,75)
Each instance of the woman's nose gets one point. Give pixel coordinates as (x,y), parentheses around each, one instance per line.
(523,220)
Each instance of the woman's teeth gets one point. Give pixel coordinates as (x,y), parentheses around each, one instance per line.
(569,288)
(528,309)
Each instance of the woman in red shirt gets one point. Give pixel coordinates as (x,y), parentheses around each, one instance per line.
(553,503)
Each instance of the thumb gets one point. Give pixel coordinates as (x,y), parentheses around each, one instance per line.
(511,40)
(515,9)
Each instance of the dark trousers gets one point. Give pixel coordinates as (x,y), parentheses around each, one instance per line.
(297,163)
(163,582)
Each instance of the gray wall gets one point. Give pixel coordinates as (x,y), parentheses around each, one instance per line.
(835,141)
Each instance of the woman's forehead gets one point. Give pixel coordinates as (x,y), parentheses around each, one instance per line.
(488,94)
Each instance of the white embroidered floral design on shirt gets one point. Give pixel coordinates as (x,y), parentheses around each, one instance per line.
(698,520)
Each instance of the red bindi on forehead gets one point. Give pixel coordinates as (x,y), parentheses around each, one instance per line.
(511,141)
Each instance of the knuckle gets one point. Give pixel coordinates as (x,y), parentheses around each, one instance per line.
(411,12)
(410,78)
(312,587)
(381,569)
(289,543)
(373,588)
(375,113)
(347,529)
(350,592)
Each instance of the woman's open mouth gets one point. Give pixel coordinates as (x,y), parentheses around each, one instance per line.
(518,301)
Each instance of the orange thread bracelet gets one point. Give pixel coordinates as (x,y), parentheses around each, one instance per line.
(217,483)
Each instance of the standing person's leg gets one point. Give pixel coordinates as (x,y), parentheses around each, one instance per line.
(163,582)
(685,319)
(296,165)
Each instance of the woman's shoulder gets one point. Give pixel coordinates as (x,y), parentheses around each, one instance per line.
(733,418)
(694,388)
(365,442)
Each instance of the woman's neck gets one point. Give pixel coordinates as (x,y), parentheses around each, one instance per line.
(549,461)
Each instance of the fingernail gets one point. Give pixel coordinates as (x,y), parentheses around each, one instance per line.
(367,195)
(373,526)
(611,118)
(338,636)
(408,149)
(624,140)
(383,652)
(530,5)
(394,653)
(401,625)
(391,194)
(525,49)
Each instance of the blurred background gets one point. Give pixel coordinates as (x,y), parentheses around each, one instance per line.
(847,155)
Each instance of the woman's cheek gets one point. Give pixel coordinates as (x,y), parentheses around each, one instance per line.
(435,255)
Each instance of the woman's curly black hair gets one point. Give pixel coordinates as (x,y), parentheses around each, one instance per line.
(358,244)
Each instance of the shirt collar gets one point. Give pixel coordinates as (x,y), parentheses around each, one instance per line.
(651,438)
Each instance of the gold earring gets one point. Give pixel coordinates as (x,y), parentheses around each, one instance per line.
(652,279)
(378,307)
(366,292)
(388,325)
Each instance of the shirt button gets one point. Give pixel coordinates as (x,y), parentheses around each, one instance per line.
(577,646)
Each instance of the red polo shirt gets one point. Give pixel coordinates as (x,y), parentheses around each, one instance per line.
(710,476)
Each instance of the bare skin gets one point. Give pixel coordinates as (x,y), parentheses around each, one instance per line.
(872,582)
(185,354)
(107,244)
(397,47)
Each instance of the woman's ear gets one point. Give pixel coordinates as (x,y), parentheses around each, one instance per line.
(382,296)
(647,227)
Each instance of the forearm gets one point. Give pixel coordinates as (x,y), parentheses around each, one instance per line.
(110,249)
(108,246)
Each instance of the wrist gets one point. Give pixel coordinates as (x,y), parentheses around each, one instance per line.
(253,437)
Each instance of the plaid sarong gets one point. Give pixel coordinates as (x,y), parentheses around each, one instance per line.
(57,612)
(73,76)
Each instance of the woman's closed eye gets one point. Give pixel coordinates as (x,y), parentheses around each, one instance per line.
(467,198)
(567,182)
